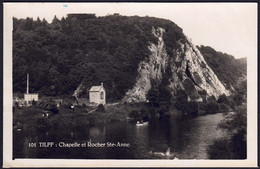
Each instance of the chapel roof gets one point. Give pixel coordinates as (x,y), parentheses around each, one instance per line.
(96,88)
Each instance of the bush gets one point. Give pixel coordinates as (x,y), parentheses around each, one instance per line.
(144,115)
(220,149)
(34,102)
(234,147)
(101,108)
(222,99)
(223,107)
(49,105)
(192,108)
(212,107)
(135,115)
(224,148)
(202,92)
(212,99)
(162,110)
(181,101)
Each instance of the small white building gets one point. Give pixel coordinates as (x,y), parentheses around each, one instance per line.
(97,94)
(30,97)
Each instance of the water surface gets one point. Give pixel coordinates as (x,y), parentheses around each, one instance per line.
(186,138)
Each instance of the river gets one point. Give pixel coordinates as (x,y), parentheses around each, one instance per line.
(186,138)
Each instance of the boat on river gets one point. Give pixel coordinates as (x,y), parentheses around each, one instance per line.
(138,123)
(167,154)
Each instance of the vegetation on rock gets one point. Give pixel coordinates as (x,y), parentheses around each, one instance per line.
(228,69)
(84,48)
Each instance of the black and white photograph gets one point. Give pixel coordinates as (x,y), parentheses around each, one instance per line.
(154,83)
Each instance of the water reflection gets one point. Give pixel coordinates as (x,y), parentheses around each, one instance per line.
(186,138)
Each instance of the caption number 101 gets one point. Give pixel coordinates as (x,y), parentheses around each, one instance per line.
(32,144)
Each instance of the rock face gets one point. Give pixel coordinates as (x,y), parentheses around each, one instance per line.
(149,69)
(188,71)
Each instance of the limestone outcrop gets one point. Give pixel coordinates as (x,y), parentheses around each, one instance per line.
(188,71)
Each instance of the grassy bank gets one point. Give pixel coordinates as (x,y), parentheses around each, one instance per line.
(36,116)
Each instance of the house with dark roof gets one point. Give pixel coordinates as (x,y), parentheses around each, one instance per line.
(97,94)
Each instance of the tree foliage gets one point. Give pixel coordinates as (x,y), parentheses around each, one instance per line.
(186,107)
(84,48)
(228,69)
(49,105)
(235,146)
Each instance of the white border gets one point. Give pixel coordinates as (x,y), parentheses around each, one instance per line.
(251,160)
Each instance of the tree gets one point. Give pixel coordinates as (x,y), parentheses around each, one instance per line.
(238,98)
(228,69)
(212,107)
(34,102)
(181,101)
(234,146)
(28,24)
(49,105)
(135,115)
(222,99)
(212,99)
(192,108)
(144,114)
(223,107)
(153,97)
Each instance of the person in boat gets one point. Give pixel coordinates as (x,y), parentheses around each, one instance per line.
(140,121)
(168,152)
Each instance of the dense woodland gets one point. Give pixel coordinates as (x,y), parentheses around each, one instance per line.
(228,69)
(83,48)
(60,55)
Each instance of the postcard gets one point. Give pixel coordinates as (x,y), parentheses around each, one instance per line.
(130,85)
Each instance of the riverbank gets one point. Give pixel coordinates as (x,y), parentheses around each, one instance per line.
(47,115)
(37,117)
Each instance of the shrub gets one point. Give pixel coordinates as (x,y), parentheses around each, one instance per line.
(144,115)
(134,114)
(34,102)
(212,107)
(234,147)
(192,108)
(101,108)
(223,107)
(202,92)
(222,99)
(212,99)
(220,149)
(49,105)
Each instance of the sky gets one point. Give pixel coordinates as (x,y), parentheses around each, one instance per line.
(227,27)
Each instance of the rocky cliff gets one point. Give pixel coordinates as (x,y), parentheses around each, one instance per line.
(131,55)
(188,71)
(151,68)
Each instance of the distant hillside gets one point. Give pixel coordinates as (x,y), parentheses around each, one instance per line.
(130,55)
(228,69)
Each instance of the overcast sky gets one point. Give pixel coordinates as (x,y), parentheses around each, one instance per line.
(227,27)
